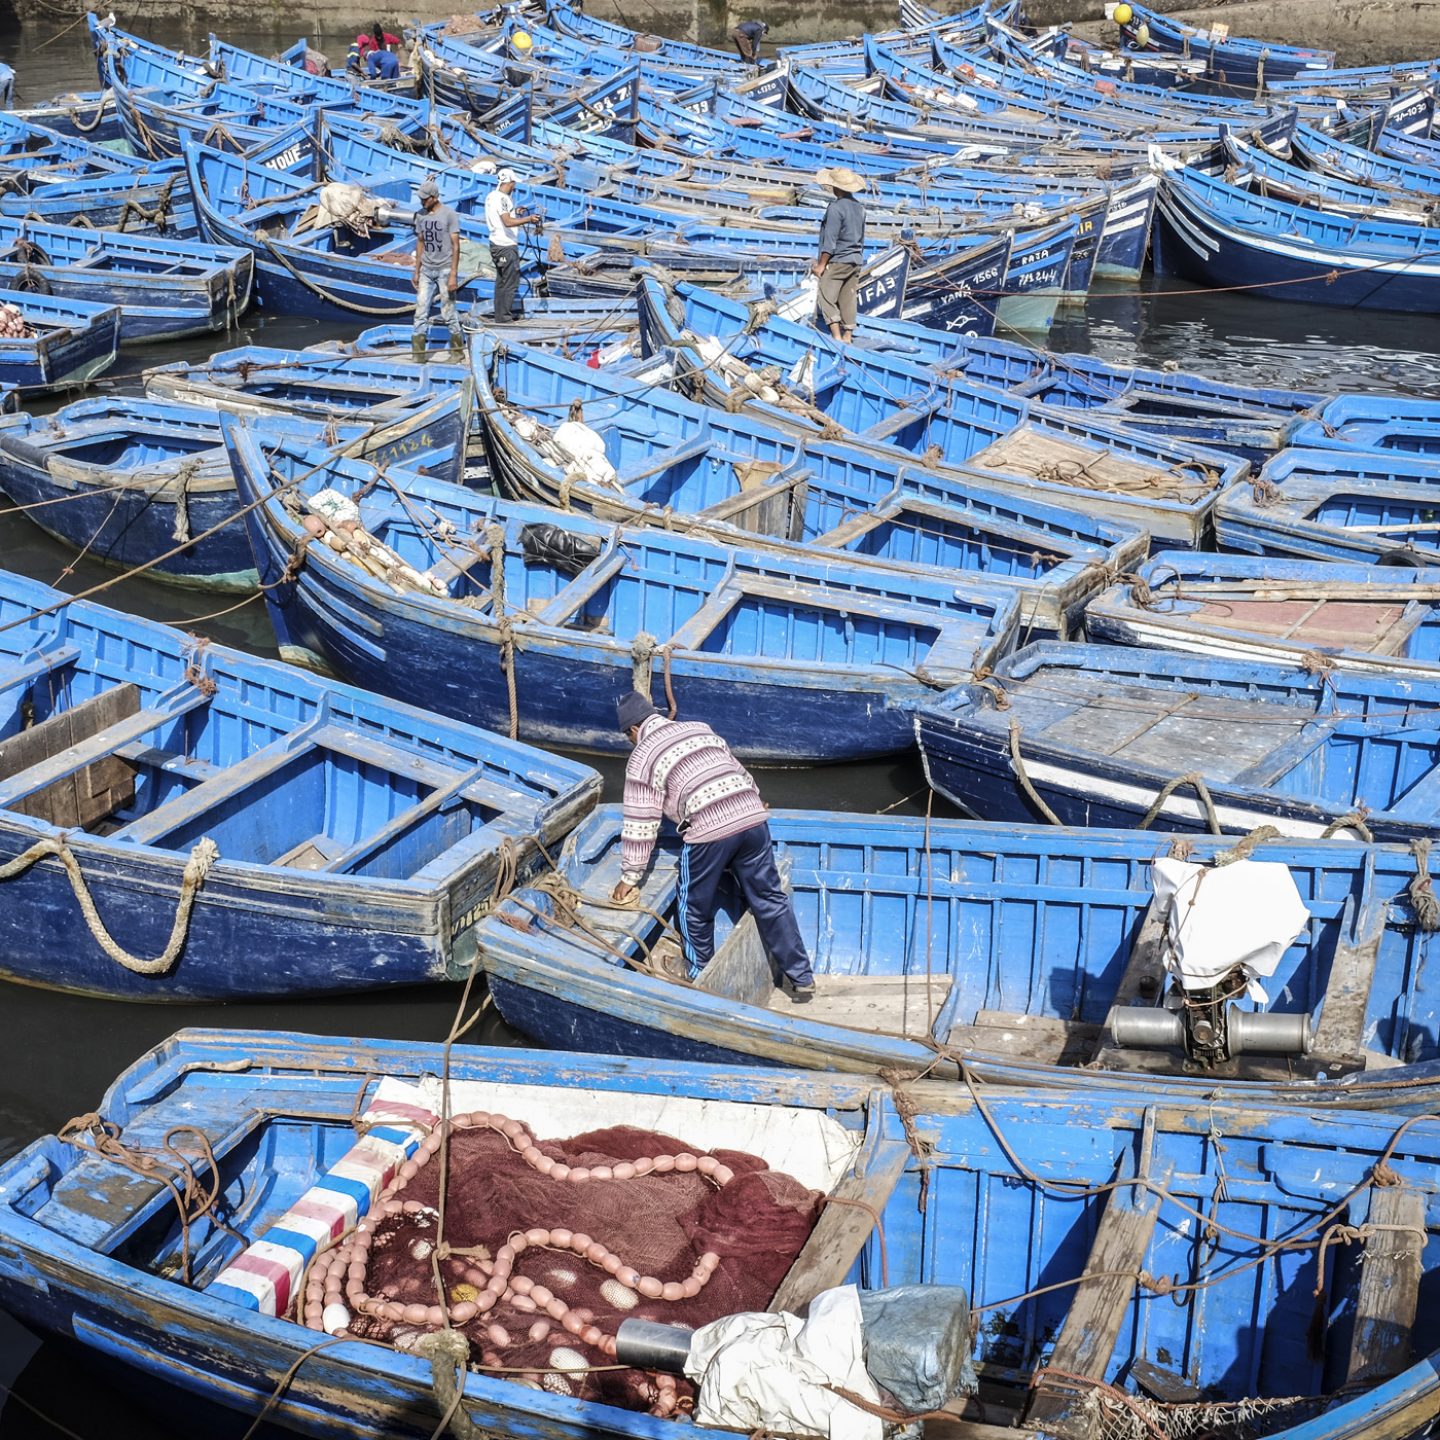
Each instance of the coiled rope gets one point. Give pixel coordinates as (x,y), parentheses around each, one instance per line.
(1421,888)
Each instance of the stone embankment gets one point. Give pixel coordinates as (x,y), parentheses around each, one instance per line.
(1362,31)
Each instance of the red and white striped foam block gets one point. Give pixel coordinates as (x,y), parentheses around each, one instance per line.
(267,1274)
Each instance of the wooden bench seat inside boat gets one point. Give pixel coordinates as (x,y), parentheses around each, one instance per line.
(101,1202)
(66,769)
(443,787)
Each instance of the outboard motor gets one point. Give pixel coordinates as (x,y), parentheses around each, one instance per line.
(1208,1028)
(1225,927)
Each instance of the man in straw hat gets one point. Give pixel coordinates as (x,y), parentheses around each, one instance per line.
(842,249)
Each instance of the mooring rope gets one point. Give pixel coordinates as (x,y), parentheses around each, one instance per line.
(202,857)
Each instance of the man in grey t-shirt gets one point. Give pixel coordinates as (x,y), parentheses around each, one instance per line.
(437,270)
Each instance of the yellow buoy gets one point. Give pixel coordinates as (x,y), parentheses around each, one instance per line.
(521,41)
(1123,14)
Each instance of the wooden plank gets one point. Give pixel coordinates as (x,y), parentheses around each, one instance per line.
(946,1427)
(1142,984)
(740,968)
(1092,1325)
(1389,1285)
(1340,1030)
(842,1230)
(80,797)
(876,1004)
(1030,1037)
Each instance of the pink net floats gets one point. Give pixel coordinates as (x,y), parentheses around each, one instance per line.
(12,323)
(549,1245)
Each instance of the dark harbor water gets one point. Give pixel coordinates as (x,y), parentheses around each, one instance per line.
(57,1053)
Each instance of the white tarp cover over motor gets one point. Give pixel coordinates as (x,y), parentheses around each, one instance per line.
(1217,917)
(776,1372)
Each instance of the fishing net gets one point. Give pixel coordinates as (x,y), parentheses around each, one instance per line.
(1132,1417)
(549,1245)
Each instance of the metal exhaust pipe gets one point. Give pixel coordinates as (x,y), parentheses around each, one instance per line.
(650,1345)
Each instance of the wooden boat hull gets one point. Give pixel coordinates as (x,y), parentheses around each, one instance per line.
(91,1267)
(91,487)
(265,920)
(913,932)
(1273,746)
(75,341)
(1199,242)
(566,672)
(152,309)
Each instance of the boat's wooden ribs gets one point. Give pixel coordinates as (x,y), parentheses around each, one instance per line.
(1092,1325)
(844,1226)
(1339,1032)
(1389,1284)
(1142,983)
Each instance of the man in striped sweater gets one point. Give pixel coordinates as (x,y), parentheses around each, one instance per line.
(683,769)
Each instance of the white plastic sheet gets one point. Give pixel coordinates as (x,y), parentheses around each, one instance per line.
(1217,917)
(773,1371)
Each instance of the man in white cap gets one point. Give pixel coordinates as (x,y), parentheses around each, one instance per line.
(437,270)
(505,222)
(842,251)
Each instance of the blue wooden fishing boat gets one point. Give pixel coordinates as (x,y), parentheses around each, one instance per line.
(31,154)
(1401,425)
(1253,421)
(1231,59)
(166,103)
(898,407)
(1082,1211)
(302,268)
(515,627)
(155,200)
(127,481)
(1220,234)
(417,415)
(1363,81)
(1332,155)
(164,289)
(89,116)
(1414,149)
(70,341)
(1257,169)
(1336,504)
(922,959)
(339,93)
(571,21)
(679,465)
(599,235)
(193,821)
(1108,735)
(1379,619)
